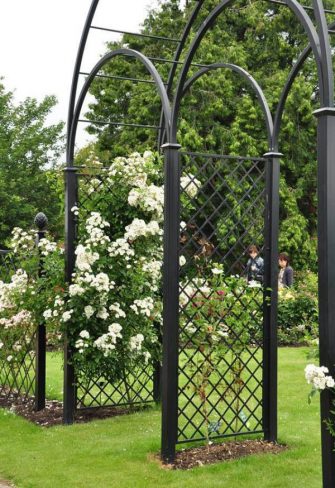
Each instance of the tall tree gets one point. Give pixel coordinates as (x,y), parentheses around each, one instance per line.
(29,157)
(220,114)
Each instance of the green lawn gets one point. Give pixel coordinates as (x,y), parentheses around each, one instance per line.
(119,452)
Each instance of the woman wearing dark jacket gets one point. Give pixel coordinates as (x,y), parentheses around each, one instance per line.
(285,277)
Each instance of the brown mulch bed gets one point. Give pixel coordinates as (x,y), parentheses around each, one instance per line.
(226,451)
(53,412)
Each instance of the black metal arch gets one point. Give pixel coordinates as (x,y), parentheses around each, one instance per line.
(286,90)
(251,81)
(78,62)
(322,66)
(105,59)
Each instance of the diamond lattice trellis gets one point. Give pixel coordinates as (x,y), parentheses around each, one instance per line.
(17,375)
(221,325)
(136,387)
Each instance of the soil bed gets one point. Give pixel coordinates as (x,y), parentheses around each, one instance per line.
(198,456)
(52,414)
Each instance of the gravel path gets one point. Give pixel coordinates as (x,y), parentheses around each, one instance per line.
(4,484)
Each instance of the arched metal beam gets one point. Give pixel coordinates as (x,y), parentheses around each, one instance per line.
(299,12)
(176,57)
(286,90)
(78,62)
(326,57)
(251,81)
(105,59)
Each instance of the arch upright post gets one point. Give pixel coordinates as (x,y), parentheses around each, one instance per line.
(326,269)
(270,354)
(71,198)
(170,301)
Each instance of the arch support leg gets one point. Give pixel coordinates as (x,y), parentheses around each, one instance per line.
(326,258)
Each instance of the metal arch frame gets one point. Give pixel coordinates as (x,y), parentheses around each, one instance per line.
(252,83)
(79,58)
(324,72)
(71,198)
(176,57)
(286,90)
(104,60)
(319,44)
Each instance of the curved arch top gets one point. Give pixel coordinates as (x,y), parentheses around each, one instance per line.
(303,18)
(118,52)
(252,82)
(78,62)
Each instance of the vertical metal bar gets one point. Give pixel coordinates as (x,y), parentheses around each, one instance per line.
(157,371)
(40,360)
(270,355)
(170,302)
(71,194)
(326,258)
(157,382)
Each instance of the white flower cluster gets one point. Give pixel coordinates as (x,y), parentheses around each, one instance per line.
(121,247)
(190,185)
(217,271)
(153,267)
(149,198)
(102,283)
(95,226)
(80,344)
(95,184)
(17,286)
(75,210)
(117,310)
(144,306)
(89,311)
(135,342)
(21,319)
(106,342)
(56,312)
(85,258)
(22,240)
(188,291)
(316,376)
(133,170)
(138,228)
(67,315)
(46,246)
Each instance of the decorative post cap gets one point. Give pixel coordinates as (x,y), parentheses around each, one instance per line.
(41,221)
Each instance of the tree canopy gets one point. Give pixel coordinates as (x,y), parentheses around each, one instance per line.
(29,157)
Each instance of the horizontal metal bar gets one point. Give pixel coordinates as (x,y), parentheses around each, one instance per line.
(138,34)
(110,77)
(145,404)
(221,156)
(170,61)
(221,436)
(105,122)
(306,7)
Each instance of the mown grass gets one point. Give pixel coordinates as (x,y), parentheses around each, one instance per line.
(119,452)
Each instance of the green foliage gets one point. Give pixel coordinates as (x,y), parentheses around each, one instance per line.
(298,311)
(29,153)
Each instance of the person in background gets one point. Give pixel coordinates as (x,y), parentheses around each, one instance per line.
(285,277)
(255,265)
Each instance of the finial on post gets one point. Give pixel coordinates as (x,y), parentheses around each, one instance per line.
(41,221)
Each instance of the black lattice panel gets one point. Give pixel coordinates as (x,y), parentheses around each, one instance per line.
(136,387)
(17,366)
(221,317)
